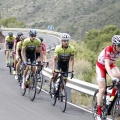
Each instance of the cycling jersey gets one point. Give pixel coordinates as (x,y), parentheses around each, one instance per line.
(107,53)
(28,42)
(19,45)
(43,47)
(30,47)
(64,54)
(10,39)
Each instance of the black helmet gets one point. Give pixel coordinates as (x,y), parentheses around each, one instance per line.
(41,39)
(10,34)
(19,34)
(32,32)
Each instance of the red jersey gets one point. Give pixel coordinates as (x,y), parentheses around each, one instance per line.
(107,53)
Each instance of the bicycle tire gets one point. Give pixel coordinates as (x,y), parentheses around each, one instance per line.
(32,87)
(94,105)
(52,96)
(39,82)
(63,96)
(23,91)
(10,65)
(116,109)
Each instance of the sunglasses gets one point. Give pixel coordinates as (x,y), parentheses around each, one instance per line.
(118,45)
(33,35)
(65,41)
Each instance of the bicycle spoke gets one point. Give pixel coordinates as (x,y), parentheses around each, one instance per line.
(63,97)
(32,87)
(116,110)
(94,105)
(52,96)
(39,83)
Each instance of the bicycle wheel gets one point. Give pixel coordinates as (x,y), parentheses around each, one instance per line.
(10,65)
(116,110)
(94,105)
(63,96)
(39,82)
(52,96)
(32,87)
(23,91)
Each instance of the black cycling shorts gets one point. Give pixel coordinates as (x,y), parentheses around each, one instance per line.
(9,45)
(63,67)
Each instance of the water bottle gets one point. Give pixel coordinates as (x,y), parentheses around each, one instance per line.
(108,100)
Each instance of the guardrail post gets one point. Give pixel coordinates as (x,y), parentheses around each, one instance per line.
(68,94)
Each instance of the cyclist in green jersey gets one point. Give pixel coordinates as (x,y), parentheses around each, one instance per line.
(18,54)
(63,56)
(9,42)
(30,46)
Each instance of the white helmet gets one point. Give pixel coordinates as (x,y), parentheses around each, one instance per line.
(116,39)
(65,36)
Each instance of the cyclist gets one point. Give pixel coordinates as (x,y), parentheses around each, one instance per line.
(15,45)
(105,64)
(30,46)
(18,54)
(43,50)
(63,54)
(9,42)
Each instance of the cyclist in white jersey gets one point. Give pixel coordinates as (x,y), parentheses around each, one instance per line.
(105,64)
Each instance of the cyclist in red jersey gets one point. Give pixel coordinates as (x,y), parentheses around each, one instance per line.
(105,64)
(43,50)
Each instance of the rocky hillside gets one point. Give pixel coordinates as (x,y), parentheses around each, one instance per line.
(73,16)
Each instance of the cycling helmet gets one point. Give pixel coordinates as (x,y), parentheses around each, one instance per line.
(116,39)
(10,34)
(41,39)
(32,32)
(65,36)
(19,34)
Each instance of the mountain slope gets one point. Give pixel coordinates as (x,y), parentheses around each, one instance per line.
(73,16)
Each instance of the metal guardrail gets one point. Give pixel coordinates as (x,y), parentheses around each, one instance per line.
(74,84)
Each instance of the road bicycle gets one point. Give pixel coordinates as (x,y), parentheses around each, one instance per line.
(112,109)
(31,82)
(10,62)
(39,75)
(60,92)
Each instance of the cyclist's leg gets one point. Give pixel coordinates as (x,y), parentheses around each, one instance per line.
(17,68)
(15,62)
(24,74)
(101,76)
(7,55)
(116,73)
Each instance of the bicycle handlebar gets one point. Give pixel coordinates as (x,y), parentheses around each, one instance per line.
(72,73)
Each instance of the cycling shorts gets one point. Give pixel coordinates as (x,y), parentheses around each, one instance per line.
(9,45)
(101,72)
(63,67)
(37,55)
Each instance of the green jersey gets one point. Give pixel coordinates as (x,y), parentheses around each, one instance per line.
(64,54)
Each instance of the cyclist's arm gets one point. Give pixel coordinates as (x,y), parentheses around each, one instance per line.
(5,45)
(72,62)
(54,62)
(44,56)
(41,54)
(15,45)
(23,54)
(108,69)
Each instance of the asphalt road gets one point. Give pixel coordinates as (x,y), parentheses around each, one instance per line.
(14,106)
